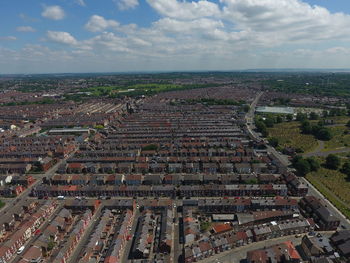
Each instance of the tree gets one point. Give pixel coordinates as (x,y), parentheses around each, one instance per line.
(273,141)
(314,164)
(50,245)
(346,169)
(302,166)
(348,124)
(324,134)
(313,116)
(306,127)
(301,116)
(332,162)
(261,127)
(289,117)
(296,159)
(279,119)
(269,121)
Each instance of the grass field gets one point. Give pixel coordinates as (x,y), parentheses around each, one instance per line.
(2,204)
(288,134)
(333,185)
(341,138)
(142,89)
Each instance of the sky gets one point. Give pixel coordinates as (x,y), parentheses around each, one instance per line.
(68,36)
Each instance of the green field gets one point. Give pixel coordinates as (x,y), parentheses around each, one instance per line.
(341,138)
(333,185)
(288,134)
(141,89)
(2,204)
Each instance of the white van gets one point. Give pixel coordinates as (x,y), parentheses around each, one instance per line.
(60,197)
(20,250)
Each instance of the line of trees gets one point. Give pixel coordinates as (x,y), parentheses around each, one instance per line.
(304,166)
(318,130)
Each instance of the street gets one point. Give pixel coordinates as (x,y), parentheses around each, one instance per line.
(284,160)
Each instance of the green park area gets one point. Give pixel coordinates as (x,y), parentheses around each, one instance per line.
(340,139)
(140,89)
(289,135)
(334,186)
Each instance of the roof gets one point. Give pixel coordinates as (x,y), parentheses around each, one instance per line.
(220,228)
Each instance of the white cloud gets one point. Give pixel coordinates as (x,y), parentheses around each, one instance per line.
(54,12)
(126,4)
(98,23)
(185,10)
(228,34)
(25,29)
(8,38)
(80,2)
(61,37)
(280,21)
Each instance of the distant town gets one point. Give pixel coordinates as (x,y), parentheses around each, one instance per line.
(223,167)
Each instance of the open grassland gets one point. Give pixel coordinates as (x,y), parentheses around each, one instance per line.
(334,186)
(142,89)
(289,135)
(341,138)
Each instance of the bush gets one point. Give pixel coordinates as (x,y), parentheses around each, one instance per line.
(332,162)
(150,147)
(302,167)
(273,141)
(346,169)
(314,164)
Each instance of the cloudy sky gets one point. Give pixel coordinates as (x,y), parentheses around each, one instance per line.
(52,36)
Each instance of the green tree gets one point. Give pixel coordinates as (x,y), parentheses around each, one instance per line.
(279,119)
(348,124)
(306,127)
(314,164)
(269,121)
(150,147)
(314,116)
(301,116)
(289,117)
(261,127)
(50,245)
(303,167)
(346,169)
(324,134)
(273,141)
(332,162)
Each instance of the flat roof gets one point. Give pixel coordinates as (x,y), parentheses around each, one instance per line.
(281,110)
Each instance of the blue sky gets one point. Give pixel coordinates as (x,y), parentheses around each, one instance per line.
(149,35)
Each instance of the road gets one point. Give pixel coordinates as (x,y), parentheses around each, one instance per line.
(25,194)
(250,128)
(32,240)
(326,153)
(284,160)
(238,254)
(74,257)
(313,191)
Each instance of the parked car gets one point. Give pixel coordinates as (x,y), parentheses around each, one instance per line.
(20,250)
